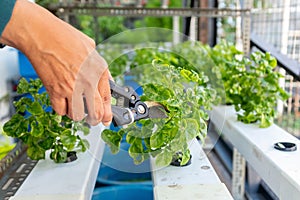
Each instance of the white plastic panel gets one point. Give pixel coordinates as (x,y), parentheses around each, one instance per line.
(279,169)
(191,181)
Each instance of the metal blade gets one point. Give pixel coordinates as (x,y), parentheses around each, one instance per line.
(156,110)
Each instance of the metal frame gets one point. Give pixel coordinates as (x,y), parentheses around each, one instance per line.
(74,9)
(14,169)
(65,10)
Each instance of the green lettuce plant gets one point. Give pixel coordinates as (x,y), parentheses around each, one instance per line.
(251,83)
(185,96)
(40,128)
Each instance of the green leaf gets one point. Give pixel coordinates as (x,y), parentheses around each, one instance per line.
(266,121)
(37,129)
(191,128)
(112,139)
(47,143)
(12,127)
(85,130)
(84,144)
(157,140)
(136,151)
(36,153)
(35,108)
(67,139)
(164,158)
(59,154)
(185,157)
(23,86)
(186,74)
(51,132)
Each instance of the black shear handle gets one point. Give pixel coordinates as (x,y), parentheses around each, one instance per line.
(128,107)
(127,92)
(121,116)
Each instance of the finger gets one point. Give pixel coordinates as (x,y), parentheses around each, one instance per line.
(110,76)
(76,106)
(59,105)
(104,90)
(95,107)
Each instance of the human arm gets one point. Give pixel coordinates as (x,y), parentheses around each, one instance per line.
(64,58)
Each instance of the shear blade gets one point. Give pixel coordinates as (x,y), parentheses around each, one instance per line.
(156,110)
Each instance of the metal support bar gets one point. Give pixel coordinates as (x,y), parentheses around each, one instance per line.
(176,29)
(238,175)
(239,162)
(78,9)
(246,26)
(253,182)
(14,169)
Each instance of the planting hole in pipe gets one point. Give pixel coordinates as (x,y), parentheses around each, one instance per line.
(285,146)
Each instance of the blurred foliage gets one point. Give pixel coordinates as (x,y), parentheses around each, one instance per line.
(6,145)
(248,83)
(105,26)
(46,3)
(162,22)
(101,28)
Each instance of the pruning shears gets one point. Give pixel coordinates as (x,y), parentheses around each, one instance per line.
(129,107)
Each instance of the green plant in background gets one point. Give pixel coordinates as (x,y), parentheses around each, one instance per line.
(248,83)
(251,84)
(197,56)
(101,27)
(110,26)
(104,27)
(260,90)
(86,25)
(46,3)
(43,130)
(289,122)
(114,56)
(6,145)
(162,22)
(185,95)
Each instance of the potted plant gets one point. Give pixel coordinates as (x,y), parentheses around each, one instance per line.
(40,128)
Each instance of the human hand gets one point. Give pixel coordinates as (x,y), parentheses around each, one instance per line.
(65,59)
